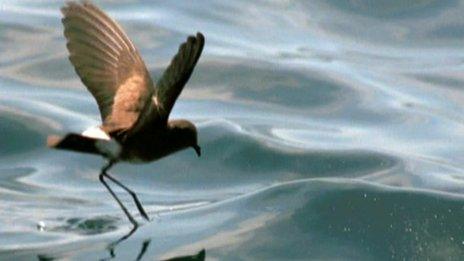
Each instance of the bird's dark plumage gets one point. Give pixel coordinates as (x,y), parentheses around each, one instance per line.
(178,73)
(112,70)
(134,111)
(132,107)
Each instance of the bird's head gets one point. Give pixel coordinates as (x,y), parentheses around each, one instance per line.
(185,135)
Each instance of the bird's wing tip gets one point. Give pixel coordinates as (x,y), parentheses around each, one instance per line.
(65,8)
(69,5)
(200,36)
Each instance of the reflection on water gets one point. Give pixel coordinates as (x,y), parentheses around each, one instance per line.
(113,246)
(95,225)
(329,129)
(199,256)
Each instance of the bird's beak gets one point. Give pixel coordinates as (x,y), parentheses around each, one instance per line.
(197,150)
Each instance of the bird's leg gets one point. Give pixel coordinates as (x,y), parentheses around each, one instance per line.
(102,180)
(132,193)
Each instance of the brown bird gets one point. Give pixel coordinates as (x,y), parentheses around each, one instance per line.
(134,110)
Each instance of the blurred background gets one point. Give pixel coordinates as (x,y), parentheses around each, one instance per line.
(330,129)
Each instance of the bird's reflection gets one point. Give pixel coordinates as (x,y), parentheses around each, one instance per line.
(145,245)
(41,257)
(198,256)
(112,247)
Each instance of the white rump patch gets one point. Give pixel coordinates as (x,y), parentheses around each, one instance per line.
(96,133)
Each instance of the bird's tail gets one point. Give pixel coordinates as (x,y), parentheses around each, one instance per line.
(79,143)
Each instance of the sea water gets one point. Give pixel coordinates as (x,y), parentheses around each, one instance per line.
(330,130)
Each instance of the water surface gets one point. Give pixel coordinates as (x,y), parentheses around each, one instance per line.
(330,130)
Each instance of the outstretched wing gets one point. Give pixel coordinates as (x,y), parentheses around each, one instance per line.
(177,74)
(108,64)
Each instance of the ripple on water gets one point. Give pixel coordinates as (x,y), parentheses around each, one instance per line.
(290,119)
(18,135)
(86,226)
(335,219)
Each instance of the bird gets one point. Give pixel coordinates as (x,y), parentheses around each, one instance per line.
(134,110)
